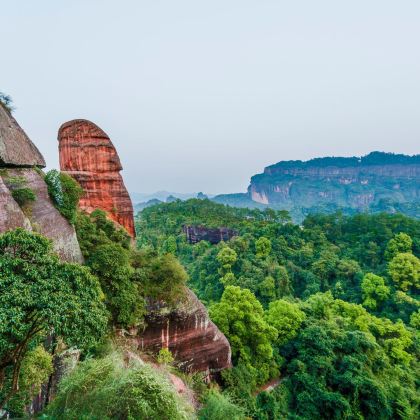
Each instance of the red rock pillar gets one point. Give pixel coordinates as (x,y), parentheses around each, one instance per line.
(88,155)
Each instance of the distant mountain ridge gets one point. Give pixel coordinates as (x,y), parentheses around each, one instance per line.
(376,182)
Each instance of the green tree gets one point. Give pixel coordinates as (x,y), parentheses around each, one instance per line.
(162,278)
(404,269)
(39,296)
(262,247)
(400,243)
(36,367)
(374,290)
(227,258)
(111,263)
(240,317)
(267,290)
(286,318)
(169,245)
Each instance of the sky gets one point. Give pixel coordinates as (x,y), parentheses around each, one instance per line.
(201,95)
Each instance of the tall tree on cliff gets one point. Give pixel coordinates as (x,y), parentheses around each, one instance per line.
(40,296)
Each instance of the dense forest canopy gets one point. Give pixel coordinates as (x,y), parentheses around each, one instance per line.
(330,307)
(373,158)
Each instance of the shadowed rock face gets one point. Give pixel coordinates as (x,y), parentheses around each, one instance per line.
(187,331)
(88,155)
(16,149)
(19,160)
(195,234)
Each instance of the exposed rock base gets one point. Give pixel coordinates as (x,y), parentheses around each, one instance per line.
(196,234)
(187,331)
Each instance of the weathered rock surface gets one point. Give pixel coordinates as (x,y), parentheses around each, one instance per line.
(187,331)
(20,160)
(16,149)
(196,234)
(63,364)
(11,215)
(40,216)
(347,182)
(376,182)
(88,155)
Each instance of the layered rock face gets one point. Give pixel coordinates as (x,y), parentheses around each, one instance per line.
(346,182)
(19,168)
(196,234)
(88,155)
(187,331)
(16,149)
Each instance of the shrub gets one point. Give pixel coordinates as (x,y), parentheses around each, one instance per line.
(219,407)
(39,295)
(108,389)
(23,196)
(65,193)
(6,102)
(165,356)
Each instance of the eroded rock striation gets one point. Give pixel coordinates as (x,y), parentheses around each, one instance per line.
(187,331)
(19,168)
(88,155)
(16,149)
(375,182)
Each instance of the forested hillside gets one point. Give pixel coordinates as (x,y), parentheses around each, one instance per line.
(327,312)
(377,182)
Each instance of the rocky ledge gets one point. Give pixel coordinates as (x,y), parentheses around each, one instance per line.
(187,331)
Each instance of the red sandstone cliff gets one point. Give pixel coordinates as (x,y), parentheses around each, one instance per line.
(88,155)
(187,331)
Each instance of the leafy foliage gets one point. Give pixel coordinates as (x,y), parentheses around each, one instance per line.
(65,193)
(240,317)
(289,299)
(218,406)
(6,102)
(165,356)
(107,389)
(23,196)
(39,296)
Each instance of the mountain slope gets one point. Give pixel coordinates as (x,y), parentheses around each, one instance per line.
(375,182)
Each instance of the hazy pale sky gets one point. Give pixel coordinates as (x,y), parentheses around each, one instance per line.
(200,95)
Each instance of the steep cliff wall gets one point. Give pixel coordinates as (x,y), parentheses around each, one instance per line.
(345,182)
(19,168)
(196,234)
(16,149)
(187,331)
(88,155)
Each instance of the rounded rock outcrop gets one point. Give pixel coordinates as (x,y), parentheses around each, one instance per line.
(88,155)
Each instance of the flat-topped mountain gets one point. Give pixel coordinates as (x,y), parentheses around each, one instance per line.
(375,182)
